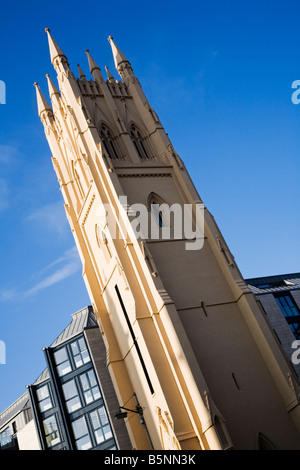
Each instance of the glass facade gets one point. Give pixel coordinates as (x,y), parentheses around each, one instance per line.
(290,311)
(69,404)
(51,431)
(44,399)
(5,438)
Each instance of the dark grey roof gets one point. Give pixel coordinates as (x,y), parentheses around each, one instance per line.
(84,318)
(13,410)
(273,284)
(44,376)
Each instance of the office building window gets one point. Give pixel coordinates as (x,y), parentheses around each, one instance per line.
(51,431)
(62,361)
(5,437)
(287,305)
(81,434)
(80,352)
(101,427)
(71,394)
(90,387)
(290,311)
(44,399)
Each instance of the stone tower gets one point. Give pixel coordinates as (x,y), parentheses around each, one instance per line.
(187,343)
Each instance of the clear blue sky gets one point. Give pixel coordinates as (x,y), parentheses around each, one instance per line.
(218,74)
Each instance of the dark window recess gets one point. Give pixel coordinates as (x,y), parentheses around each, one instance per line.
(138,143)
(134,340)
(290,311)
(108,142)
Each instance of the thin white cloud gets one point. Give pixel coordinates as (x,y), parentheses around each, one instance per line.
(8,295)
(67,265)
(71,265)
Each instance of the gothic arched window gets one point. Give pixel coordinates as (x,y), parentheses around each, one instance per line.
(108,142)
(138,142)
(157,206)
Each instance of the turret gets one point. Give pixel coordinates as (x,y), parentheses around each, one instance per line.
(122,64)
(43,105)
(94,68)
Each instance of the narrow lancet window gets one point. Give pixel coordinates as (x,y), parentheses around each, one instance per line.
(108,142)
(138,142)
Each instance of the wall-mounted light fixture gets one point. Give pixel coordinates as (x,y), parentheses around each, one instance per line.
(139,410)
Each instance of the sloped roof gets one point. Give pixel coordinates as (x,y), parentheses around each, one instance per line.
(273,284)
(14,409)
(84,318)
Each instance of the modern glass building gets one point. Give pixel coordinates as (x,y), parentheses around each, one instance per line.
(73,401)
(279,297)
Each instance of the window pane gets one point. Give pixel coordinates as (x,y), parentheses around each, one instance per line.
(107,432)
(5,437)
(85,356)
(84,443)
(82,344)
(92,378)
(70,389)
(95,420)
(99,436)
(62,361)
(51,431)
(81,434)
(287,306)
(74,347)
(71,395)
(45,404)
(73,404)
(43,396)
(42,392)
(102,430)
(60,355)
(90,387)
(64,368)
(88,397)
(80,352)
(96,393)
(103,415)
(84,382)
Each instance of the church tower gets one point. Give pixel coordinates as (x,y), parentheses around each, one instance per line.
(188,348)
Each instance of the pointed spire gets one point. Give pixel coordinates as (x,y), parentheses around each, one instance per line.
(109,75)
(42,103)
(81,73)
(52,88)
(55,50)
(92,63)
(119,57)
